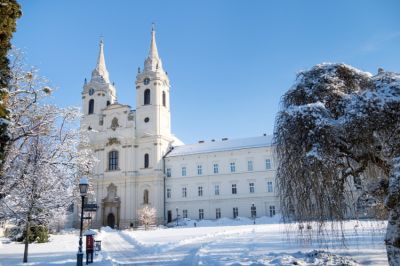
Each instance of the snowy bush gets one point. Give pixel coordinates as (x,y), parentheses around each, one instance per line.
(14,233)
(41,234)
(338,140)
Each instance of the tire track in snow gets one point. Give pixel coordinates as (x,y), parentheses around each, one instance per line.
(121,248)
(203,249)
(116,249)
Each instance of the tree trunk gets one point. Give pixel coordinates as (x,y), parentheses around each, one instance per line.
(28,233)
(392,238)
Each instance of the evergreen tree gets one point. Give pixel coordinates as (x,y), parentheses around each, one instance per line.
(10,11)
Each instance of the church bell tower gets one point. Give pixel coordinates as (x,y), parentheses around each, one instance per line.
(152,96)
(97,94)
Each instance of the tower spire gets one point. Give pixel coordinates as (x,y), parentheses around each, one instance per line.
(101,70)
(153,61)
(153,52)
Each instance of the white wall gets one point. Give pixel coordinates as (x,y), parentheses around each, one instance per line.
(226,201)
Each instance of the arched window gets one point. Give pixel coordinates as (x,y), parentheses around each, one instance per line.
(164,99)
(146,160)
(113,160)
(91,106)
(147,96)
(146,197)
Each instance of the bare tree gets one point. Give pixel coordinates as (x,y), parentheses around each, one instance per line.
(338,132)
(147,216)
(43,162)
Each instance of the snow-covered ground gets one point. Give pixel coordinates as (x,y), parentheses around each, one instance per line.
(228,243)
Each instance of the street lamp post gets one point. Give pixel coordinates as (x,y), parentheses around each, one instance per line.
(253,212)
(177,216)
(83,186)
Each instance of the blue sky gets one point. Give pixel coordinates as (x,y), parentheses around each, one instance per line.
(229,62)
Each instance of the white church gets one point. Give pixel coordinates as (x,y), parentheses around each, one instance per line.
(140,162)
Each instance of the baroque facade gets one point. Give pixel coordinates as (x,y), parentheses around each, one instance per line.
(140,162)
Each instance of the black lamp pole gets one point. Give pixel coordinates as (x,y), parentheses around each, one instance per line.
(83,186)
(80,253)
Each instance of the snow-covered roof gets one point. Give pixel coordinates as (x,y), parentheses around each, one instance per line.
(176,141)
(225,145)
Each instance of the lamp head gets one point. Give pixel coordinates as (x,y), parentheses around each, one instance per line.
(83,186)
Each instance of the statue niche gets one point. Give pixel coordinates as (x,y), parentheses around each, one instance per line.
(114,123)
(111,206)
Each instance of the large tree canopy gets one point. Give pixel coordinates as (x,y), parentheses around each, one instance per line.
(338,137)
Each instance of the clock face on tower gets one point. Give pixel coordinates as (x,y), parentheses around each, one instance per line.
(146,81)
(91,91)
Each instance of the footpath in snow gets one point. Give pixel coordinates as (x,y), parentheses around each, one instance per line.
(211,244)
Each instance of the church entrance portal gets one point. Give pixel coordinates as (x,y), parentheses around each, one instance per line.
(110,208)
(111,220)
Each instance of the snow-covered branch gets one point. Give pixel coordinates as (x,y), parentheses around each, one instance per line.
(337,136)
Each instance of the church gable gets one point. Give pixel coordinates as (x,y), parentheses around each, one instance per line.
(117,116)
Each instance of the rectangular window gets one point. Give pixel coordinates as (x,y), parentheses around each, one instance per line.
(269,186)
(235,212)
(267,164)
(184,192)
(271,210)
(251,187)
(216,190)
(233,167)
(250,166)
(113,160)
(215,168)
(199,170)
(234,189)
(168,172)
(201,214)
(184,214)
(168,193)
(200,191)
(184,171)
(217,213)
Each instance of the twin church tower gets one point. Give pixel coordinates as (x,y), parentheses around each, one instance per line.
(141,163)
(129,144)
